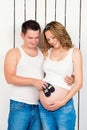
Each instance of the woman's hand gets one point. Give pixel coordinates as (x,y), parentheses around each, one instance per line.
(54,106)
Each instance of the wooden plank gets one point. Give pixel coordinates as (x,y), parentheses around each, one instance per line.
(19,19)
(30,9)
(83,46)
(72,20)
(40,17)
(50,10)
(41,12)
(60,11)
(72,25)
(6,33)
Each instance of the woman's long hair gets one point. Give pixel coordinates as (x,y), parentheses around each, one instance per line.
(59,31)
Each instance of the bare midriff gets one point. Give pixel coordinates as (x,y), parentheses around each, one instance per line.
(58,94)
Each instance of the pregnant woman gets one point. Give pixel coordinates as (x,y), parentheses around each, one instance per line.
(62,58)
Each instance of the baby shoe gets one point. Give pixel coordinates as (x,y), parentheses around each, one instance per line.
(46,92)
(50,87)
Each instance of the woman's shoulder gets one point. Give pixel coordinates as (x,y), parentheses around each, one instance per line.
(76,52)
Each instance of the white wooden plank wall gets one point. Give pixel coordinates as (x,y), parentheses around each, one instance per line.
(71,13)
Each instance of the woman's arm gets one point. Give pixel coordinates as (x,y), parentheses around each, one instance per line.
(77,65)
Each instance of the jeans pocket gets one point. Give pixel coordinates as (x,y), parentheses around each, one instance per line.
(15,105)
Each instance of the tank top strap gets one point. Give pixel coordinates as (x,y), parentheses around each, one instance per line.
(71,51)
(21,50)
(49,51)
(39,51)
(23,53)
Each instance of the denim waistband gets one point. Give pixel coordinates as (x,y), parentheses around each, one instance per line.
(25,104)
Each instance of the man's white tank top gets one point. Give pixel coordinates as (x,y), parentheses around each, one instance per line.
(57,70)
(28,67)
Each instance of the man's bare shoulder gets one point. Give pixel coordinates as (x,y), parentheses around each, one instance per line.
(12,57)
(12,51)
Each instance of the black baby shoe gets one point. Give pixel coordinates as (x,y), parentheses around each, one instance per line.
(46,92)
(50,87)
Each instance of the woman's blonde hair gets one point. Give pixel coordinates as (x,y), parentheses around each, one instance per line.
(59,31)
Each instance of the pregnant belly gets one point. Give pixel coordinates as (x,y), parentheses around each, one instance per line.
(58,94)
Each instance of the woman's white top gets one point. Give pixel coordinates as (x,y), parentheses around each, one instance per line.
(31,67)
(57,70)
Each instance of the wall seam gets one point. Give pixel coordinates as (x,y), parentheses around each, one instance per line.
(80,7)
(24,10)
(35,9)
(14,27)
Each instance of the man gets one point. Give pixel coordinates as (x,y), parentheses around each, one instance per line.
(23,69)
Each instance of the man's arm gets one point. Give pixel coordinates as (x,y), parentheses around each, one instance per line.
(10,65)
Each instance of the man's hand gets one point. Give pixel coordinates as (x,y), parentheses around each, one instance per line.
(69,80)
(39,84)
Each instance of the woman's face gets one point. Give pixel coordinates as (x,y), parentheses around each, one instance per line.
(52,40)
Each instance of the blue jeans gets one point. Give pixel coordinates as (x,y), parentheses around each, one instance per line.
(23,116)
(61,119)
